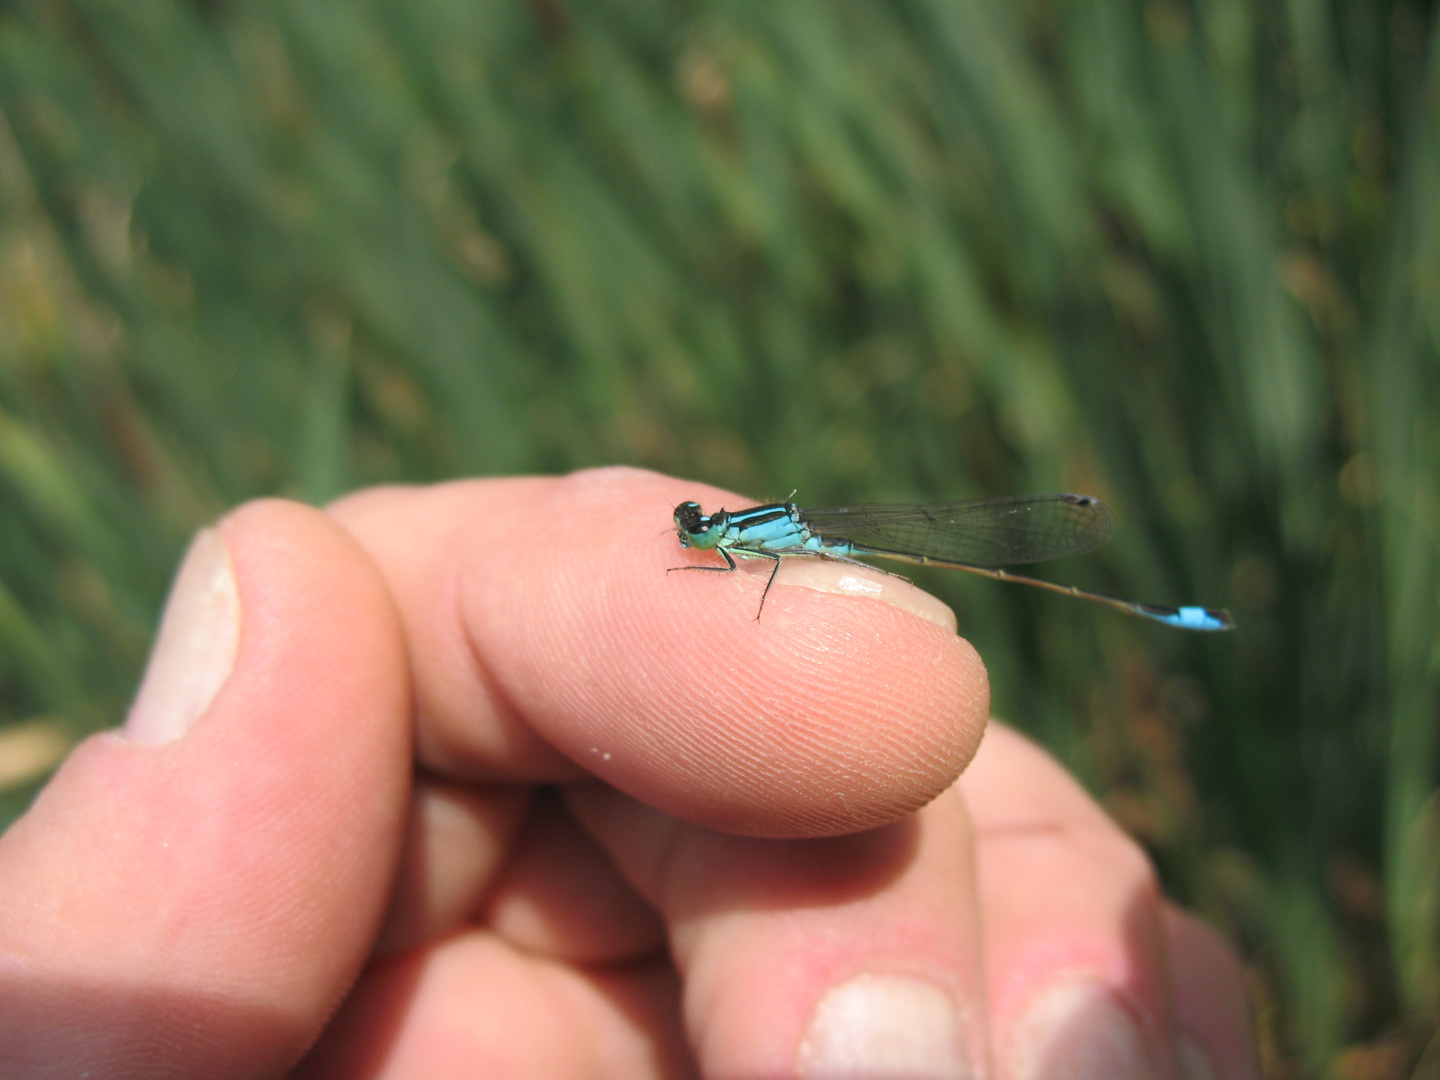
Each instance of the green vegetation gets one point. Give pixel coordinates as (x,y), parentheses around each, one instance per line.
(1185,257)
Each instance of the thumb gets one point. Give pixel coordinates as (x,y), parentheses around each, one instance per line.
(192,894)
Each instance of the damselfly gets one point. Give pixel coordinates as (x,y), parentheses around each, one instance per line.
(980,537)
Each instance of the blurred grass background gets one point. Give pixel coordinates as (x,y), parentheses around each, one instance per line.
(1182,256)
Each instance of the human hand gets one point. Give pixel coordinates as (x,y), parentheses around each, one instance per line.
(648,836)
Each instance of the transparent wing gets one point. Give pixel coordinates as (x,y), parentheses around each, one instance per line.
(983,532)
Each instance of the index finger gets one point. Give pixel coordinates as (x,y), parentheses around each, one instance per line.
(548,640)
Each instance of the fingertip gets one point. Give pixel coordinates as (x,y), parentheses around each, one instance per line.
(228,870)
(1075,957)
(826,715)
(857,955)
(1212,1001)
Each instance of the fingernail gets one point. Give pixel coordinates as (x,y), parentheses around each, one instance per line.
(1194,1062)
(884,1025)
(826,575)
(195,649)
(1078,1030)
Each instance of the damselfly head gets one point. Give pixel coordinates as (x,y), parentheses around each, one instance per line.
(689,521)
(698,530)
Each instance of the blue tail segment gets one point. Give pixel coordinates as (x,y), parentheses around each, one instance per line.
(1193,618)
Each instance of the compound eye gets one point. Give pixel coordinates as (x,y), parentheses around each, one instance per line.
(689,519)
